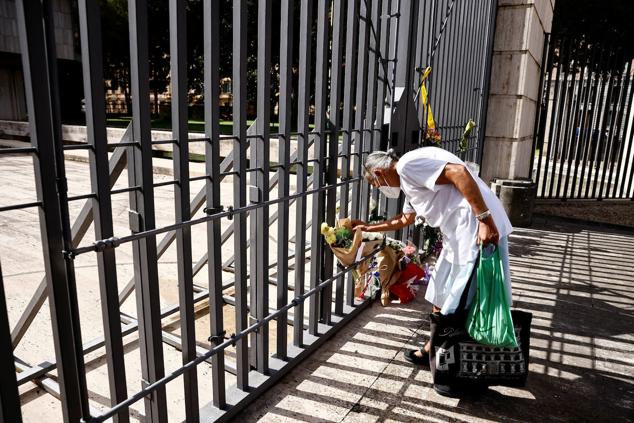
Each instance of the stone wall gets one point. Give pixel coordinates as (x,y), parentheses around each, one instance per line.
(515,73)
(62,18)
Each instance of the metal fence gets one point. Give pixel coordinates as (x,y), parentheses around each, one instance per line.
(270,295)
(584,134)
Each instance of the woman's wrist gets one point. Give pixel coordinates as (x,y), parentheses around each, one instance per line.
(483,216)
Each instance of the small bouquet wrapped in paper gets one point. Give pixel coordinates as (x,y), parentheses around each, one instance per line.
(350,246)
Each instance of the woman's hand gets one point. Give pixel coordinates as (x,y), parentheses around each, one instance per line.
(487,232)
(358,223)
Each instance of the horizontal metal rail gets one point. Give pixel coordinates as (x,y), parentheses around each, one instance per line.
(227,343)
(115,242)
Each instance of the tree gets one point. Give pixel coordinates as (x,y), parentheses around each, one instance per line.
(603,24)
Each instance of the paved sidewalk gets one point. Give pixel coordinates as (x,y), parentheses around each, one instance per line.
(579,284)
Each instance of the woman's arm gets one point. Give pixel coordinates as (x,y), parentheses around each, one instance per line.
(459,176)
(393,224)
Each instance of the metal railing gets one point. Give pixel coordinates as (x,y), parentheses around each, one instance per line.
(342,98)
(583,130)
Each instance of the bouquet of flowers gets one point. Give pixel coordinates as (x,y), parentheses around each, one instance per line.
(411,270)
(432,136)
(372,275)
(345,243)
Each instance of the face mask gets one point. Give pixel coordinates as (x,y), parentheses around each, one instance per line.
(390,192)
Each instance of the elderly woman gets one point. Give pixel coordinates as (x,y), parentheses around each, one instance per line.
(439,187)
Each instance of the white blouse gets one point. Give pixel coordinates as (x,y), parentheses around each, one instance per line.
(443,206)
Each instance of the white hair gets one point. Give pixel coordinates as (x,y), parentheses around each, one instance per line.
(379,160)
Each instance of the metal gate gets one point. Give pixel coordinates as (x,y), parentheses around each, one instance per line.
(264,286)
(584,133)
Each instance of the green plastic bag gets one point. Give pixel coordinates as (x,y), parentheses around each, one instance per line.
(489,320)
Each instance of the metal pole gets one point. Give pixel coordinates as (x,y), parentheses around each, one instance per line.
(286,60)
(212,190)
(333,138)
(91,48)
(320,147)
(142,214)
(260,179)
(352,35)
(180,133)
(9,396)
(303,99)
(239,86)
(40,103)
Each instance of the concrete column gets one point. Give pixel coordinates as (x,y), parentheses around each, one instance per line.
(514,89)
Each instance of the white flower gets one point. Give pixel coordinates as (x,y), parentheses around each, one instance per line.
(372,204)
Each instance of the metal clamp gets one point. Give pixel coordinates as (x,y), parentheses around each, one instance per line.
(233,339)
(297,300)
(230,211)
(217,339)
(213,210)
(112,242)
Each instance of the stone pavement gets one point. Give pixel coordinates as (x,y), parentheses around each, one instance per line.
(578,283)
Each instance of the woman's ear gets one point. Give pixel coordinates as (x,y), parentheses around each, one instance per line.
(378,172)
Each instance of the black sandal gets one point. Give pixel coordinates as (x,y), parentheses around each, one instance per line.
(423,360)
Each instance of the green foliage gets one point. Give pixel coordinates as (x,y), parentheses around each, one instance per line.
(344,236)
(607,24)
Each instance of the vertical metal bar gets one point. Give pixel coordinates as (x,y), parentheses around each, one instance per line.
(573,150)
(608,121)
(561,114)
(382,86)
(576,87)
(626,113)
(91,50)
(360,104)
(352,33)
(544,116)
(371,108)
(62,195)
(554,116)
(587,138)
(631,176)
(442,74)
(431,60)
(474,84)
(142,215)
(39,79)
(9,396)
(487,81)
(580,145)
(393,58)
(239,86)
(286,60)
(178,78)
(568,108)
(604,100)
(614,124)
(541,105)
(260,159)
(459,75)
(212,187)
(319,304)
(303,100)
(333,139)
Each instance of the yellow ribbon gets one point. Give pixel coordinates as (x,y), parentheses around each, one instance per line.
(423,98)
